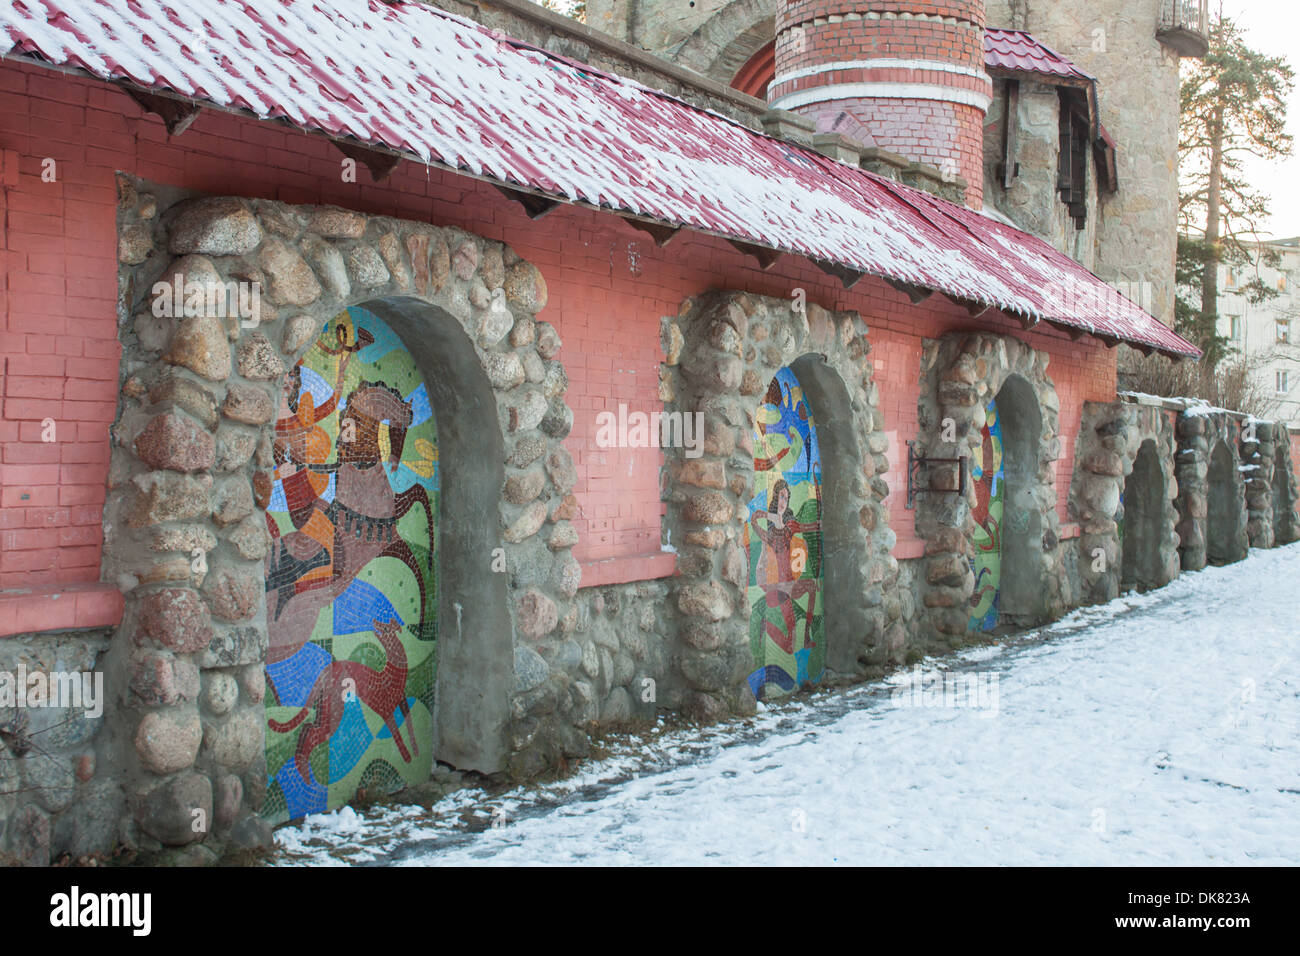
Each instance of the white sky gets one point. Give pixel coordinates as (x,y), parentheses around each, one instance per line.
(1272,27)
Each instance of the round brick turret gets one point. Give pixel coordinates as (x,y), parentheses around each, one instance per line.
(910,71)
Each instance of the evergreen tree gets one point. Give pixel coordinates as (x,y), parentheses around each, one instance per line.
(1233,106)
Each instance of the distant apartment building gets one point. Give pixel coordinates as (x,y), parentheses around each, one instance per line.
(1269,331)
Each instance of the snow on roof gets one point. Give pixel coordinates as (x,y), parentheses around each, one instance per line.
(441,89)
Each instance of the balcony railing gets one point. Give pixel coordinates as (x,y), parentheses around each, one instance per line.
(1185,26)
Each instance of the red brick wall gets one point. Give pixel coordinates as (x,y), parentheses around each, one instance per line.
(609,286)
(942,132)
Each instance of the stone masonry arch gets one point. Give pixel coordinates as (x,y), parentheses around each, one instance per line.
(720,46)
(1286,528)
(961,372)
(1225,524)
(193,470)
(1200,431)
(1110,437)
(1265,449)
(722,350)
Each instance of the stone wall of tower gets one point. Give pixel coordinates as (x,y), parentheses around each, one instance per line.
(1137,89)
(1135,241)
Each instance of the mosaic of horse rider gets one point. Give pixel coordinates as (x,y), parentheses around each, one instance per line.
(351,582)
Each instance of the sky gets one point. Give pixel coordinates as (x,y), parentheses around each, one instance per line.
(1272,27)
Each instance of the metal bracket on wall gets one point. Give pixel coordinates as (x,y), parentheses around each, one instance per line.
(915,463)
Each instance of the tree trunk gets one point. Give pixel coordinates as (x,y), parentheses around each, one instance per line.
(1210,277)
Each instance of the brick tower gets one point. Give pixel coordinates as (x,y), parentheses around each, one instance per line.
(911,71)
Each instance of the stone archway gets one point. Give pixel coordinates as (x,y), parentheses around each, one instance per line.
(1224,528)
(1020,599)
(1286,528)
(195,467)
(1203,433)
(1142,531)
(963,378)
(1111,436)
(722,351)
(721,45)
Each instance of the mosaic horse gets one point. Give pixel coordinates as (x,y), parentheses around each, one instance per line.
(363,515)
(383,691)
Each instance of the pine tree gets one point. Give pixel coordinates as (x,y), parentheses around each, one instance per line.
(1233,106)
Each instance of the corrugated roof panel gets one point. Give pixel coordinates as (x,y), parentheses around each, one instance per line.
(412,78)
(1021,52)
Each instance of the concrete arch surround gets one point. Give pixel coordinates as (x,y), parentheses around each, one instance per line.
(475,638)
(722,350)
(1022,573)
(960,372)
(1144,501)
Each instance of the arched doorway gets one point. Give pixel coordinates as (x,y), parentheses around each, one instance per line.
(783,544)
(352,572)
(1141,525)
(1223,508)
(1009,535)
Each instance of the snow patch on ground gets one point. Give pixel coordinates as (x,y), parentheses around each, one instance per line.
(1161,728)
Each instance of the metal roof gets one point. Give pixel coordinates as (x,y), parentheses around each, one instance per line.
(444,90)
(1016,51)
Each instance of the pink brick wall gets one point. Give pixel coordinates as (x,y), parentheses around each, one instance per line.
(609,286)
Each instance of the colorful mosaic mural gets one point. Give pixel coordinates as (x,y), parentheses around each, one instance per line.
(990,492)
(783,540)
(351,584)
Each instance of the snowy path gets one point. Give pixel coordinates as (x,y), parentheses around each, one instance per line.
(1158,729)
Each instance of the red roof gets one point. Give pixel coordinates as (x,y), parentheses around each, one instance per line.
(1019,52)
(447,91)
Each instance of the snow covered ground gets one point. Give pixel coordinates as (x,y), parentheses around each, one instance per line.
(1158,729)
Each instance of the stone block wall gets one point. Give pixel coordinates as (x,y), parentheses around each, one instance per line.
(1200,433)
(57,795)
(961,373)
(721,351)
(193,471)
(1109,441)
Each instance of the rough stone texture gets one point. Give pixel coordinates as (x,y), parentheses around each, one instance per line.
(188,498)
(1110,437)
(48,773)
(176,618)
(961,372)
(218,227)
(711,350)
(175,442)
(200,344)
(1270,484)
(1200,433)
(168,811)
(290,280)
(1286,524)
(168,740)
(249,404)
